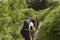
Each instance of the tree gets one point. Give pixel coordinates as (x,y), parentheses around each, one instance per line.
(38,4)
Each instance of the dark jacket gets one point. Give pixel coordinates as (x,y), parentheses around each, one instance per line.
(24,30)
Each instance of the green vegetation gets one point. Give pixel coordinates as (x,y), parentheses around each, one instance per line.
(14,12)
(50,28)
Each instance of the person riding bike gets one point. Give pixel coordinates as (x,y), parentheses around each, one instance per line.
(27,28)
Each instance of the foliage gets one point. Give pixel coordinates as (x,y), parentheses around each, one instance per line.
(11,19)
(50,28)
(38,4)
(14,12)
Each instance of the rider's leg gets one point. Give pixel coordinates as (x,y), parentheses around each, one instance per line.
(27,37)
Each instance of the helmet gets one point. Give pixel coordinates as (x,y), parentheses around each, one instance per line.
(28,18)
(33,18)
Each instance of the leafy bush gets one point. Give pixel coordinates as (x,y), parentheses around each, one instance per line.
(11,19)
(50,29)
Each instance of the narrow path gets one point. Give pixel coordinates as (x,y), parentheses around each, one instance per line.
(37,32)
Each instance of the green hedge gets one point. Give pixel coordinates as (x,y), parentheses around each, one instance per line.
(12,15)
(50,29)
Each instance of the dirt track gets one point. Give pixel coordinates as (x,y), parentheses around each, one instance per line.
(36,33)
